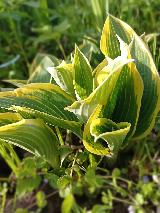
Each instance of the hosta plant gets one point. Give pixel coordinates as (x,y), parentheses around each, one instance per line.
(108,107)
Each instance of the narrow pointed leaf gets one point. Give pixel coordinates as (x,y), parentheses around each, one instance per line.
(83,80)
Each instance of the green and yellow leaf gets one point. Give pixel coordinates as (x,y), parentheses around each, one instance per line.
(82,77)
(100,96)
(144,63)
(34,136)
(125,102)
(39,73)
(63,76)
(74,126)
(6,150)
(151,94)
(103,136)
(16,82)
(37,60)
(46,100)
(9,117)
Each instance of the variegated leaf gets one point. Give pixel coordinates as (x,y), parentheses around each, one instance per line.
(9,117)
(125,102)
(39,73)
(144,63)
(82,77)
(63,76)
(17,83)
(44,99)
(103,136)
(34,136)
(100,96)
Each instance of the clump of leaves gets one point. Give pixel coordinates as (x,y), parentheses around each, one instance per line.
(108,108)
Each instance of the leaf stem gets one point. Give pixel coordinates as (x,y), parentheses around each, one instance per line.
(59,136)
(123,201)
(74,161)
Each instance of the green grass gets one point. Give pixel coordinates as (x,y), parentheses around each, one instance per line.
(28,27)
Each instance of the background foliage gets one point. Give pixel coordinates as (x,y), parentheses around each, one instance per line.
(29,27)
